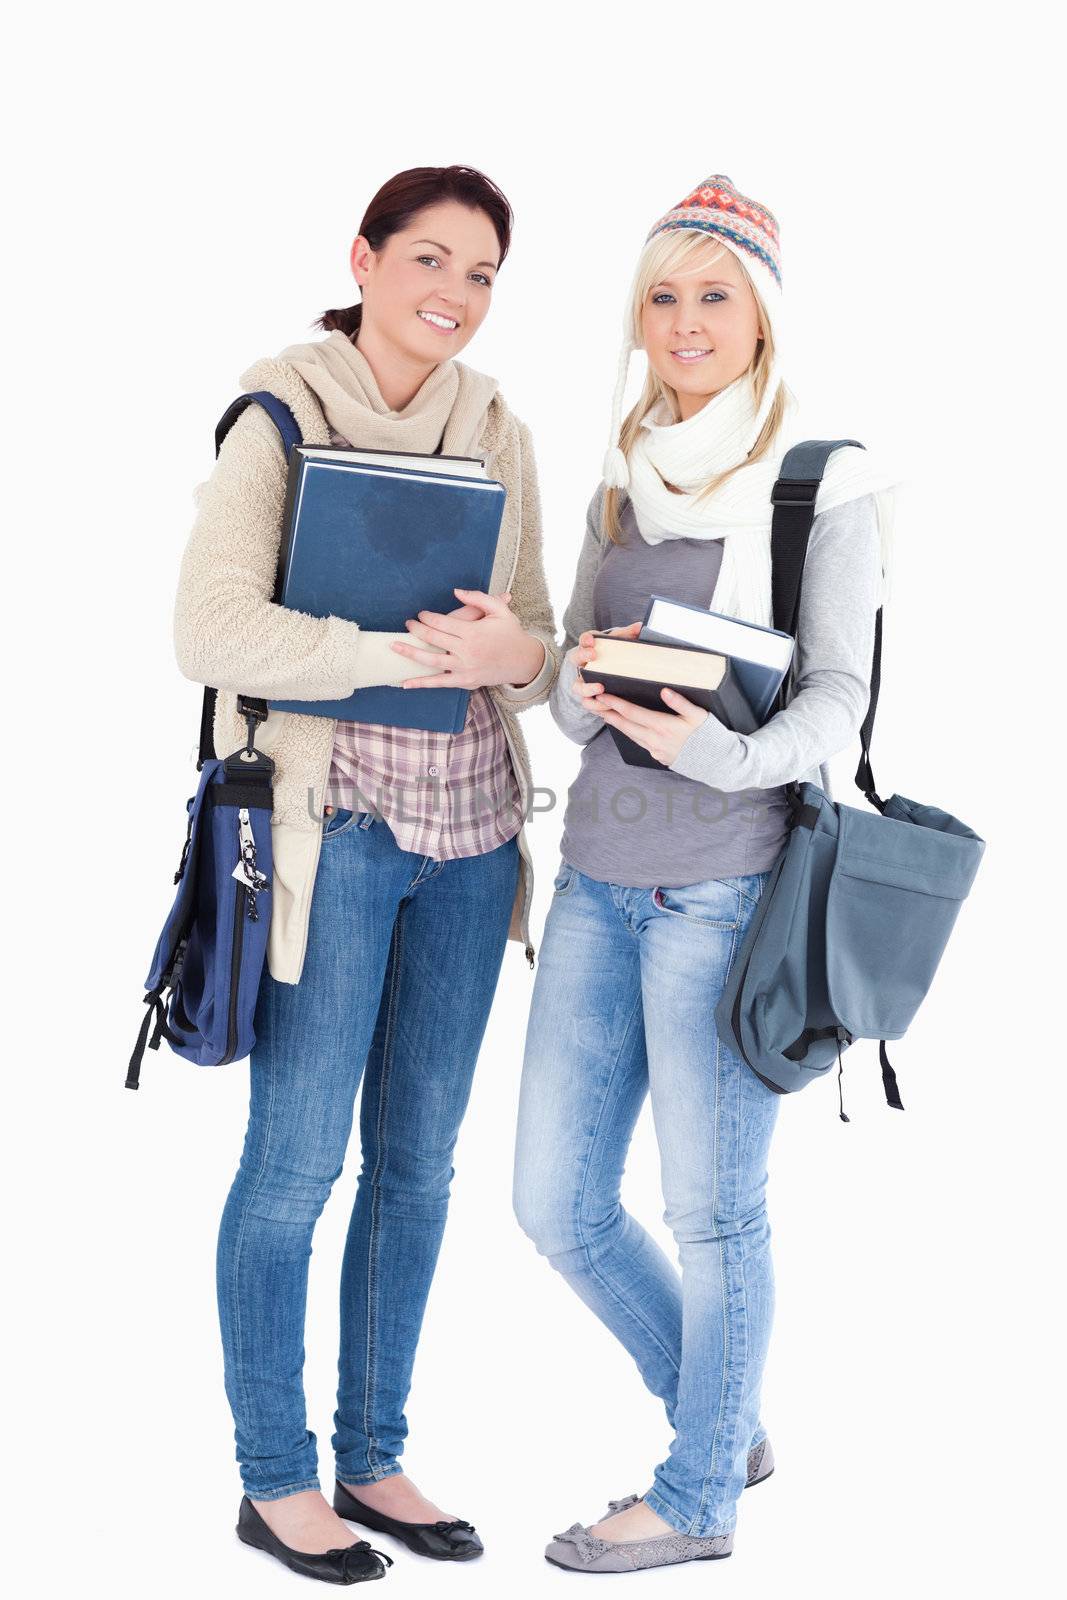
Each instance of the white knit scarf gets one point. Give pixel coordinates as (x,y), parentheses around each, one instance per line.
(720,435)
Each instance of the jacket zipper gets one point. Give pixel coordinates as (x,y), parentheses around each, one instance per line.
(514,568)
(524,919)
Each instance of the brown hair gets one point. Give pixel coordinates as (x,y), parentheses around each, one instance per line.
(400,200)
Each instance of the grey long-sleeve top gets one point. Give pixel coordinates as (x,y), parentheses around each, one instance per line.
(835,643)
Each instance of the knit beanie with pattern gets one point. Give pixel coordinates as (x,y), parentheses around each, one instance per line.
(747,229)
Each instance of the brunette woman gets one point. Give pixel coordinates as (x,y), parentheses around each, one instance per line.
(401,869)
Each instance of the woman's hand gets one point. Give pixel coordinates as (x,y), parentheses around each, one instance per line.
(584,652)
(480,642)
(661,733)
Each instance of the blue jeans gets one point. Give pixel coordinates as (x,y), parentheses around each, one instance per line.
(623,1003)
(402,961)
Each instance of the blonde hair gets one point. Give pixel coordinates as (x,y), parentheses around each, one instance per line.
(662,254)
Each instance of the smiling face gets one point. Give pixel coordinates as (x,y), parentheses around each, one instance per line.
(699,326)
(427,291)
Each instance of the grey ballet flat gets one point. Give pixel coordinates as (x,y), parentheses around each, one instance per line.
(760,1463)
(581,1551)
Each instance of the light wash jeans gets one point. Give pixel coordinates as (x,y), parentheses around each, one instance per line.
(403,957)
(623,1003)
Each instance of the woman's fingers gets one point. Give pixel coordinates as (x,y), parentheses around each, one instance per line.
(444,680)
(431,656)
(632,711)
(433,635)
(490,603)
(587,640)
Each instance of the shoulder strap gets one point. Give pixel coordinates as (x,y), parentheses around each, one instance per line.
(253,710)
(793,496)
(276,409)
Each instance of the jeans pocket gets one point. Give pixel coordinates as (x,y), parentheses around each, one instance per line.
(563,882)
(752,885)
(338,821)
(712,903)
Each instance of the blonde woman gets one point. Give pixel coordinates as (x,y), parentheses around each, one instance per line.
(662,867)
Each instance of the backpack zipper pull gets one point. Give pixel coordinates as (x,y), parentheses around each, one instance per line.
(246,871)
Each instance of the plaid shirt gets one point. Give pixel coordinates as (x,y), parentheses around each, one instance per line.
(442,794)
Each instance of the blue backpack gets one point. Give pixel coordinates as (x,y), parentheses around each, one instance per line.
(208,961)
(858,908)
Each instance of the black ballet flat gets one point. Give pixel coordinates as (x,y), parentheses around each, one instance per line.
(443,1541)
(353,1564)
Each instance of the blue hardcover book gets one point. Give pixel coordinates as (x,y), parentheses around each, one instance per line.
(759,657)
(377,543)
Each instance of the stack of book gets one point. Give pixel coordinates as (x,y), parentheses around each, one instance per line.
(731,668)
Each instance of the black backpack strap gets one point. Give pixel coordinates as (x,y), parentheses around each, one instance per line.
(793,496)
(889,1079)
(207,728)
(291,435)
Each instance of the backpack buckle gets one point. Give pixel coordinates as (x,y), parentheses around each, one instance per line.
(253,711)
(795,491)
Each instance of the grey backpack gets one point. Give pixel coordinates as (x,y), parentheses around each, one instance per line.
(858,908)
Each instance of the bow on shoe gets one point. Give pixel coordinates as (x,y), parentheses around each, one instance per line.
(622,1505)
(452,1527)
(586,1544)
(364,1548)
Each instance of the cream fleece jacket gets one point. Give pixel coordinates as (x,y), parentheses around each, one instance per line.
(229,633)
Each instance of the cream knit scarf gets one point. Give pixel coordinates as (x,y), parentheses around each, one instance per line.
(447,414)
(718,436)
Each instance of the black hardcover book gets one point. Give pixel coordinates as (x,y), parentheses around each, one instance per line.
(728,702)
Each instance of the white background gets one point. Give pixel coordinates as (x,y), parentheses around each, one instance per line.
(183,187)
